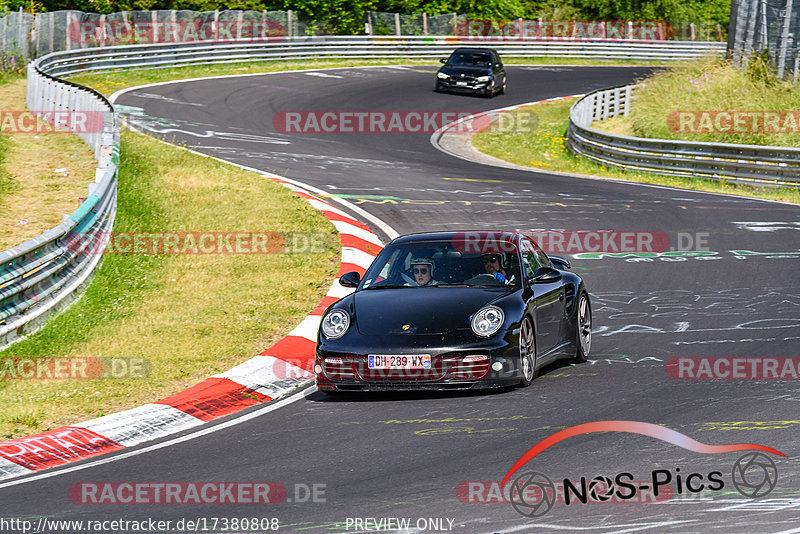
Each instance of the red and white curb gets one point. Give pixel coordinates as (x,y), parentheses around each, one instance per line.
(272,374)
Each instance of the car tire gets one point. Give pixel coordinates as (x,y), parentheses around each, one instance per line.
(437,88)
(527,352)
(503,87)
(490,91)
(583,328)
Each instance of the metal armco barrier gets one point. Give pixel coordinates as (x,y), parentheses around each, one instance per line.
(44,274)
(754,164)
(359,47)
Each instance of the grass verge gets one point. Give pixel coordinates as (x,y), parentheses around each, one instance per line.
(708,86)
(109,82)
(545,148)
(33,196)
(187,316)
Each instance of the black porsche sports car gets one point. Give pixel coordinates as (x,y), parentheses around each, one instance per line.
(453,310)
(474,70)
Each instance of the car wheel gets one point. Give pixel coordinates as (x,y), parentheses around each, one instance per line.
(527,353)
(490,90)
(503,88)
(437,88)
(584,328)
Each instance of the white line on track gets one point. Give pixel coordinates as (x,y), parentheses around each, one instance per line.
(617,529)
(174,441)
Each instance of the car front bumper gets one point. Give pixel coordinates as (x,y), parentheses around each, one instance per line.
(485,364)
(455,85)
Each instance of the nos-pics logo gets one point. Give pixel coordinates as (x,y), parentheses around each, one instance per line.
(533,494)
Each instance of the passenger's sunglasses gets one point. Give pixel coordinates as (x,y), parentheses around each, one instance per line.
(423,270)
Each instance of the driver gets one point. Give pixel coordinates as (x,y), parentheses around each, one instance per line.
(493,264)
(422,269)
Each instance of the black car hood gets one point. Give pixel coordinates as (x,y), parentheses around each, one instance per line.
(426,310)
(469,71)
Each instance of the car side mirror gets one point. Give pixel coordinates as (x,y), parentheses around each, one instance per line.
(545,274)
(351,279)
(563,261)
(443,60)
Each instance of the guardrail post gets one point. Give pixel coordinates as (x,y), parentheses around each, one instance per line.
(215,25)
(627,99)
(68,44)
(784,39)
(52,32)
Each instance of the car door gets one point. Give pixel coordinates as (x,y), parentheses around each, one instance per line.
(499,70)
(548,299)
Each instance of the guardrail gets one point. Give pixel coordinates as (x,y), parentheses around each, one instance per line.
(763,165)
(43,274)
(71,62)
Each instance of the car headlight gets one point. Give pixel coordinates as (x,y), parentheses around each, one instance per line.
(335,324)
(488,321)
(483,78)
(442,75)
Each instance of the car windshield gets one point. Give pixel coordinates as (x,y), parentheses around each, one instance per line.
(469,59)
(443,263)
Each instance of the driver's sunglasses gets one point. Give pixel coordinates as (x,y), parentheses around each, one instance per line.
(423,270)
(490,259)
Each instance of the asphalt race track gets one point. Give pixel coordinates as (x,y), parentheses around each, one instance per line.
(411,456)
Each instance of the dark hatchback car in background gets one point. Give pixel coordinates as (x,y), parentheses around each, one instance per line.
(474,70)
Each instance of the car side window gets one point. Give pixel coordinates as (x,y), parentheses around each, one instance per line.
(529,258)
(544,261)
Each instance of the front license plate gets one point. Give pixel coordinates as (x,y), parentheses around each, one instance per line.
(416,361)
(462,84)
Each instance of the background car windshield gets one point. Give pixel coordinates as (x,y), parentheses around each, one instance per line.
(469,59)
(393,267)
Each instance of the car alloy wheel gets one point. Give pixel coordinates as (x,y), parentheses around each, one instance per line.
(503,88)
(584,328)
(527,352)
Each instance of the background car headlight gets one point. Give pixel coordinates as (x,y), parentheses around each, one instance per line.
(488,321)
(442,75)
(335,324)
(483,78)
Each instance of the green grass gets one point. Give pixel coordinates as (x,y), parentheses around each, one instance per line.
(188,316)
(545,148)
(109,82)
(29,187)
(8,185)
(711,85)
